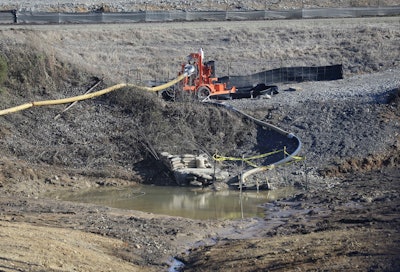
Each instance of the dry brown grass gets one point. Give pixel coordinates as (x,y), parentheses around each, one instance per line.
(142,52)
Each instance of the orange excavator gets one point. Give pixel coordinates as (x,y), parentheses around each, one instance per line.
(202,82)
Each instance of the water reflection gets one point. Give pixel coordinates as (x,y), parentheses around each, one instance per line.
(181,201)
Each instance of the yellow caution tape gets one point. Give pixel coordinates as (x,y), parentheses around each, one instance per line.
(248,160)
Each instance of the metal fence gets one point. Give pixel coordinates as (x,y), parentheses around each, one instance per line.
(21,17)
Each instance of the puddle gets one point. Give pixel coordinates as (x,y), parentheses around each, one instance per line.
(180,201)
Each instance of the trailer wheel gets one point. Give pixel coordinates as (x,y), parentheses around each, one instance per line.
(169,94)
(203,92)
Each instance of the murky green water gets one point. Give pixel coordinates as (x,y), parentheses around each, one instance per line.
(180,201)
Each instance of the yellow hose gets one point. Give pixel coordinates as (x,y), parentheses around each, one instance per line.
(90,95)
(168,84)
(79,97)
(15,109)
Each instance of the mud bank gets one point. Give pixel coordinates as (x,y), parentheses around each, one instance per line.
(351,224)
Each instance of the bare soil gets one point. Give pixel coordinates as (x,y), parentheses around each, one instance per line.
(351,227)
(345,216)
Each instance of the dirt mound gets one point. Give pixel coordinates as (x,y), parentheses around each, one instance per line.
(379,160)
(70,249)
(107,136)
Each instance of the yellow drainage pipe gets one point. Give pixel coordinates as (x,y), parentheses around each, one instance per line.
(79,97)
(168,84)
(90,95)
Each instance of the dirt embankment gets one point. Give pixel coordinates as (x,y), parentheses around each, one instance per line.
(349,226)
(347,222)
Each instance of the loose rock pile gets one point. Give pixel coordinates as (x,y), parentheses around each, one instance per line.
(195,170)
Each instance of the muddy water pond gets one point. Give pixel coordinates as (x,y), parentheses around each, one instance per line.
(180,201)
